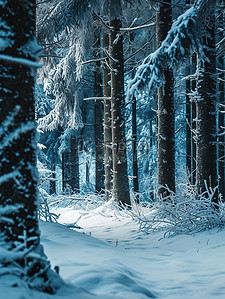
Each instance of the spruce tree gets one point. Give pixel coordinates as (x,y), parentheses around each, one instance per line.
(206,148)
(166,133)
(18,174)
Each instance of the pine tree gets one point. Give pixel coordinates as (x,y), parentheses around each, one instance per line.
(221,138)
(166,132)
(206,148)
(18,175)
(134,146)
(120,175)
(108,165)
(98,118)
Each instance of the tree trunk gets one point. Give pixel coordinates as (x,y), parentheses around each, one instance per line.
(120,175)
(166,134)
(66,175)
(18,173)
(221,163)
(53,181)
(98,119)
(193,123)
(17,113)
(74,166)
(108,163)
(206,152)
(188,127)
(134,147)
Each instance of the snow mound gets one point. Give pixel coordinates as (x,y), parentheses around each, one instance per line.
(110,257)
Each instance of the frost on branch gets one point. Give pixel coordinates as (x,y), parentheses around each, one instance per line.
(182,214)
(177,45)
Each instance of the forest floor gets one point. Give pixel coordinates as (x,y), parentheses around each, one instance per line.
(107,256)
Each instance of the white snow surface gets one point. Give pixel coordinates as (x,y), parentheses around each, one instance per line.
(108,257)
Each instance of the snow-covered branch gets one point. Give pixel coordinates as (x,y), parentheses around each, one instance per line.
(181,38)
(181,214)
(93,60)
(138,27)
(18,60)
(97,98)
(23,129)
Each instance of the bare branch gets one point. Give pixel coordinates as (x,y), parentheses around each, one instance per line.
(138,27)
(97,98)
(101,20)
(94,60)
(135,53)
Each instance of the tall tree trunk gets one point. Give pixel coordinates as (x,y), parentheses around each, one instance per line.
(66,175)
(166,134)
(134,146)
(120,175)
(74,167)
(108,162)
(70,166)
(193,123)
(98,119)
(188,127)
(18,174)
(191,135)
(221,163)
(53,181)
(206,152)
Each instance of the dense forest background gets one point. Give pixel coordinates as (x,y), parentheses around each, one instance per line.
(127,100)
(105,123)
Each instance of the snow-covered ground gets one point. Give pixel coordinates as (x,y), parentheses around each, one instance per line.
(108,257)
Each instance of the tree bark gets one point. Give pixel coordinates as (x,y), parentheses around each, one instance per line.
(134,147)
(53,181)
(206,151)
(221,146)
(17,115)
(108,162)
(66,175)
(120,176)
(18,173)
(166,134)
(193,124)
(74,167)
(98,119)
(188,126)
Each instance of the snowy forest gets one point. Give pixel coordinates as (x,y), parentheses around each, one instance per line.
(112,149)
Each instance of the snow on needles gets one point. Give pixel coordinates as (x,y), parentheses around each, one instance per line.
(174,48)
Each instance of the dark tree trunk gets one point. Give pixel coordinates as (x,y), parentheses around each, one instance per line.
(66,175)
(206,162)
(120,175)
(108,164)
(188,127)
(87,173)
(53,181)
(134,146)
(221,163)
(74,166)
(98,119)
(18,174)
(17,154)
(166,134)
(193,124)
(70,166)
